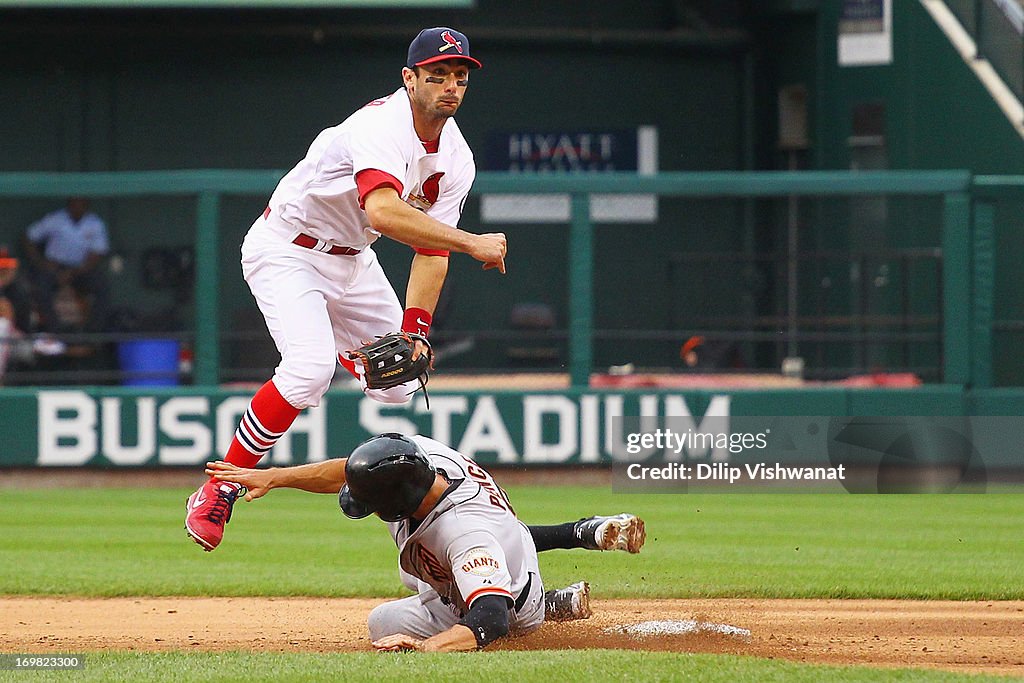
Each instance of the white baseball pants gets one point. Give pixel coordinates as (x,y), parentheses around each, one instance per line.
(424,615)
(317,306)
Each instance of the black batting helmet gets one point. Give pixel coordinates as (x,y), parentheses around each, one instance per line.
(387,474)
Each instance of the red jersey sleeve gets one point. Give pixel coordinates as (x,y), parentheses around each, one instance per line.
(371,179)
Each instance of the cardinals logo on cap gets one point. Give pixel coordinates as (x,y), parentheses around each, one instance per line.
(450,42)
(438,44)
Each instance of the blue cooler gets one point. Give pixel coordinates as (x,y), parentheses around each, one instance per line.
(149,362)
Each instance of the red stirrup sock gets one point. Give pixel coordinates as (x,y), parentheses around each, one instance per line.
(267,419)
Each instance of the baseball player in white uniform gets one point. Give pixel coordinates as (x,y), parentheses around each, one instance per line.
(398,167)
(471,562)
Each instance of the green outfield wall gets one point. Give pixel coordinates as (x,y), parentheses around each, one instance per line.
(107,427)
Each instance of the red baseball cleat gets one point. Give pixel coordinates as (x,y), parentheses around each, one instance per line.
(209,509)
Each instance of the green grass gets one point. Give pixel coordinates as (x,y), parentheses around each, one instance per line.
(480,667)
(131,542)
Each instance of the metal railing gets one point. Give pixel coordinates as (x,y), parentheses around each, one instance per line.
(997,27)
(858,325)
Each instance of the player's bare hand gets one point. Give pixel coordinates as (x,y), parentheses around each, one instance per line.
(490,249)
(500,265)
(397,643)
(258,482)
(418,349)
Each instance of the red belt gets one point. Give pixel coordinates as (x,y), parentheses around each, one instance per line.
(304,240)
(310,242)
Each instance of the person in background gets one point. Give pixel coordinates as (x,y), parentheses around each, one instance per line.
(15,312)
(15,292)
(66,250)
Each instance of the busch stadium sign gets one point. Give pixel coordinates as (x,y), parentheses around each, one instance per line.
(126,429)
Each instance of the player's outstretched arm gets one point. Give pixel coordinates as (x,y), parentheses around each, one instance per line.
(456,639)
(487,620)
(316,477)
(392,217)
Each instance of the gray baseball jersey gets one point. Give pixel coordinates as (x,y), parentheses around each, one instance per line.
(471,544)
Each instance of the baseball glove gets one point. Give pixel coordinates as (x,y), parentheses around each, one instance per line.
(387,362)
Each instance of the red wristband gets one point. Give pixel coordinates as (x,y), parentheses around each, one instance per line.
(416,320)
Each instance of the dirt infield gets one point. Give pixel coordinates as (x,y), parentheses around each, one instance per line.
(958,636)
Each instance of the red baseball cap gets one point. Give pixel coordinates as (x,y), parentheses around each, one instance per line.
(438,44)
